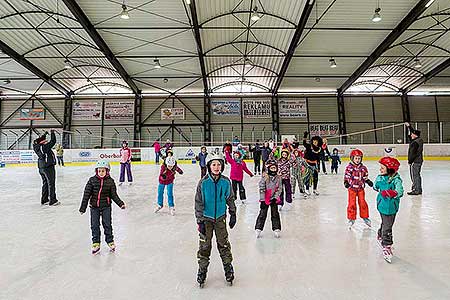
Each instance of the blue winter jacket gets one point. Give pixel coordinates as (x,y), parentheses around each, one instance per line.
(386,205)
(201,157)
(212,198)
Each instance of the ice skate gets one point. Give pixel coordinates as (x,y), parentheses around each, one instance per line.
(316,193)
(276,233)
(130,183)
(306,193)
(172,211)
(387,253)
(158,208)
(293,196)
(201,277)
(258,233)
(350,224)
(56,203)
(229,273)
(120,183)
(242,201)
(95,248)
(112,246)
(368,222)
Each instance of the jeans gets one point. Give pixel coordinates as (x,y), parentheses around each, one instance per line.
(161,188)
(157,158)
(105,213)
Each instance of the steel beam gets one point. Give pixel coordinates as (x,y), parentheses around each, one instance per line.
(78,13)
(405,108)
(32,68)
(433,73)
(67,122)
(410,18)
(341,117)
(137,120)
(294,42)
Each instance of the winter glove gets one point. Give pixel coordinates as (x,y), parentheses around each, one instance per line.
(123,206)
(163,176)
(346,184)
(389,193)
(232,220)
(369,182)
(201,227)
(305,134)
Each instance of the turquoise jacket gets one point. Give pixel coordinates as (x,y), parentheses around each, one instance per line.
(386,205)
(212,198)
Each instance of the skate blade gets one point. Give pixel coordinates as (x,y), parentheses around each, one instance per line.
(388,259)
(95,253)
(230,283)
(201,285)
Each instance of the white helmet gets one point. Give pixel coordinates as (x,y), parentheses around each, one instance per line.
(170,161)
(215,156)
(102,164)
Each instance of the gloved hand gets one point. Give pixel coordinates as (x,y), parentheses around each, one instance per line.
(123,206)
(346,184)
(163,176)
(369,182)
(305,134)
(232,220)
(389,193)
(201,227)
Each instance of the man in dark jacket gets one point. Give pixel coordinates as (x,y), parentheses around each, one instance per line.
(415,160)
(46,165)
(256,150)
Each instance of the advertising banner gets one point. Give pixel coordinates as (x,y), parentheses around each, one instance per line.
(32,114)
(257,109)
(119,110)
(226,107)
(293,108)
(10,156)
(172,113)
(83,110)
(324,129)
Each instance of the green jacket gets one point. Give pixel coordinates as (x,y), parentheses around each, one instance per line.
(386,205)
(59,150)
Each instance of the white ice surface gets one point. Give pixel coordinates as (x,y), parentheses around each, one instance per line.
(45,251)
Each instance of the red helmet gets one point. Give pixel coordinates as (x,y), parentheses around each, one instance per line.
(356,152)
(390,163)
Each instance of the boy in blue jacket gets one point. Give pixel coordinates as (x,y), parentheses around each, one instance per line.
(201,158)
(214,194)
(390,189)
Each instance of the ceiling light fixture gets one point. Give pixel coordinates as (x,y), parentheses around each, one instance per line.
(417,63)
(124,14)
(188,2)
(67,64)
(429,3)
(157,64)
(332,63)
(376,16)
(255,15)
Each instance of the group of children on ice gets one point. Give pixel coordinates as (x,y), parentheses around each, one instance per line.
(284,169)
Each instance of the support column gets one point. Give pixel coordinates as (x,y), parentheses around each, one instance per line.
(137,120)
(405,108)
(207,117)
(275,116)
(341,117)
(67,121)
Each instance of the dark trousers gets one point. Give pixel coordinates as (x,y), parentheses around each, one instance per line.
(203,171)
(235,184)
(205,244)
(334,167)
(105,213)
(286,191)
(157,158)
(385,231)
(414,172)
(123,167)
(48,185)
(257,161)
(60,160)
(274,214)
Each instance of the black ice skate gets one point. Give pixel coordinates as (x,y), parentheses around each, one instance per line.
(201,277)
(229,273)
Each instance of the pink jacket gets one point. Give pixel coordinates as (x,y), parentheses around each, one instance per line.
(356,176)
(157,147)
(237,169)
(125,155)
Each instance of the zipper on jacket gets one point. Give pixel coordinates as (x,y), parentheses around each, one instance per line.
(100,192)
(215,200)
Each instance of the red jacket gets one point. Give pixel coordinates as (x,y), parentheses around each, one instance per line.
(167,176)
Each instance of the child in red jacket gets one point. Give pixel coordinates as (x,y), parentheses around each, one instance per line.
(355,179)
(238,166)
(166,178)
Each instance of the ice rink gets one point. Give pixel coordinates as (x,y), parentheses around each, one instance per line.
(45,251)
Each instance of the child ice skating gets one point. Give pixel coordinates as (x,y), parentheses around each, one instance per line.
(270,187)
(296,172)
(238,167)
(335,160)
(98,193)
(285,163)
(201,158)
(355,179)
(125,163)
(213,195)
(166,177)
(390,189)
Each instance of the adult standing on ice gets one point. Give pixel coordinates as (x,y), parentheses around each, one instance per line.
(125,163)
(157,147)
(46,165)
(415,160)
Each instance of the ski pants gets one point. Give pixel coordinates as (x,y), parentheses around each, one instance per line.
(235,184)
(223,244)
(161,188)
(105,214)
(274,214)
(385,231)
(351,208)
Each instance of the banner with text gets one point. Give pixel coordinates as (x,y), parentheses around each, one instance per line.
(226,107)
(323,129)
(83,110)
(119,110)
(257,109)
(293,108)
(172,113)
(32,114)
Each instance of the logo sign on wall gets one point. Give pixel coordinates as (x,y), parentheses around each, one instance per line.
(119,110)
(172,113)
(226,107)
(390,151)
(324,129)
(12,157)
(257,109)
(83,110)
(32,114)
(293,108)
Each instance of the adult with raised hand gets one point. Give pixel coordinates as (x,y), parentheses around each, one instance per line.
(46,165)
(415,160)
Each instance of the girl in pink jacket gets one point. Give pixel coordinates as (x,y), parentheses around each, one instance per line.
(125,163)
(238,167)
